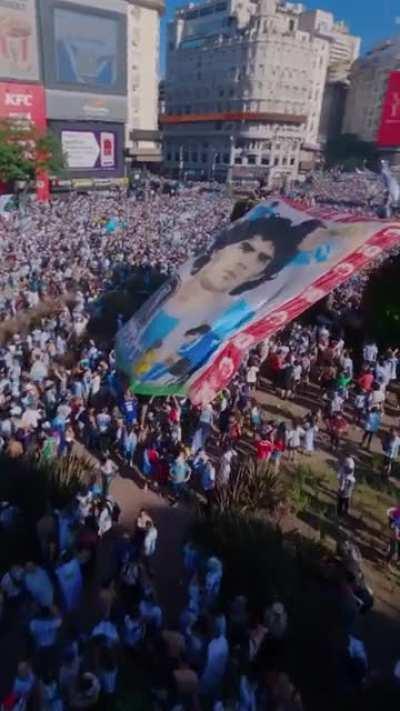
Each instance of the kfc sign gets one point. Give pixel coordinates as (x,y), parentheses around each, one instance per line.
(18,100)
(23,101)
(389,129)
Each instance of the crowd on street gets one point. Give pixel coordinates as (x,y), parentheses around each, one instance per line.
(58,387)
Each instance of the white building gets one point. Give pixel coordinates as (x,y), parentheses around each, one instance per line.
(369,83)
(143,139)
(244,89)
(344,49)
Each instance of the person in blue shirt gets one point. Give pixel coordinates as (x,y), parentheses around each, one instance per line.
(371,427)
(179,473)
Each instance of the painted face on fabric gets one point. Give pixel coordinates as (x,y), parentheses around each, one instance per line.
(236,264)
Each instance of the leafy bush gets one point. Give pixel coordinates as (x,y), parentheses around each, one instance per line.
(33,485)
(252,487)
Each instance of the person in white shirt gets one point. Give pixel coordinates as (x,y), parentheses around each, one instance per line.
(12,583)
(149,544)
(294,436)
(104,519)
(109,471)
(370,352)
(44,627)
(252,375)
(150,612)
(216,663)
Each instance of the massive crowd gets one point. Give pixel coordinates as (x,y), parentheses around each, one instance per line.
(58,387)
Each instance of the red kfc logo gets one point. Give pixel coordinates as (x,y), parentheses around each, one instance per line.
(23,102)
(15,100)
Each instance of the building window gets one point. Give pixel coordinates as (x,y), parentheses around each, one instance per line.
(185,156)
(226,158)
(276,161)
(204,157)
(284,161)
(217,158)
(251,160)
(238,160)
(292,161)
(177,157)
(194,157)
(221,92)
(265,160)
(169,157)
(291,25)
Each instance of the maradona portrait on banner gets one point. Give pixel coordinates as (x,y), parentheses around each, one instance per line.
(251,267)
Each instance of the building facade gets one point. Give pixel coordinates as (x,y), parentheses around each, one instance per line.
(244,90)
(344,49)
(76,58)
(373,102)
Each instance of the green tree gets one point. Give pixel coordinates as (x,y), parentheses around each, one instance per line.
(349,151)
(24,151)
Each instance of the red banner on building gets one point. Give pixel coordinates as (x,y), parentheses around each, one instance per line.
(26,102)
(23,102)
(389,128)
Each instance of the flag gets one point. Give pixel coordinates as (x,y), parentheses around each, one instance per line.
(260,272)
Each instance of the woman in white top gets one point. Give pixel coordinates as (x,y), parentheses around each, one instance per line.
(294,440)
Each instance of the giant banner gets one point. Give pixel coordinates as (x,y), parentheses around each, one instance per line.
(389,127)
(260,273)
(19,58)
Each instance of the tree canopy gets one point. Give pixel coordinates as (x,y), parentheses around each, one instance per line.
(350,152)
(24,151)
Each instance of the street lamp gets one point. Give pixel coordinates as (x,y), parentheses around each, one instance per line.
(231,158)
(20,187)
(180,167)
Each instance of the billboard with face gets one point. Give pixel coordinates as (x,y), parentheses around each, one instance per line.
(19,57)
(389,128)
(85,48)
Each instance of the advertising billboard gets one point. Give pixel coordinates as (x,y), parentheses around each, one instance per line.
(389,128)
(80,106)
(23,102)
(92,149)
(19,58)
(89,149)
(85,48)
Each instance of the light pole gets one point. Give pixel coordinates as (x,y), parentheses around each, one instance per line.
(231,159)
(180,168)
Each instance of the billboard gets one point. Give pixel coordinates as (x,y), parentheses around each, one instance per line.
(92,149)
(85,48)
(260,272)
(89,149)
(80,106)
(19,58)
(23,102)
(389,127)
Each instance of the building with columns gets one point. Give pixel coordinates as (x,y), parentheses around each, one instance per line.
(244,88)
(143,139)
(374,85)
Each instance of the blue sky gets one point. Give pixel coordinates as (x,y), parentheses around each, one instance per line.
(373,20)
